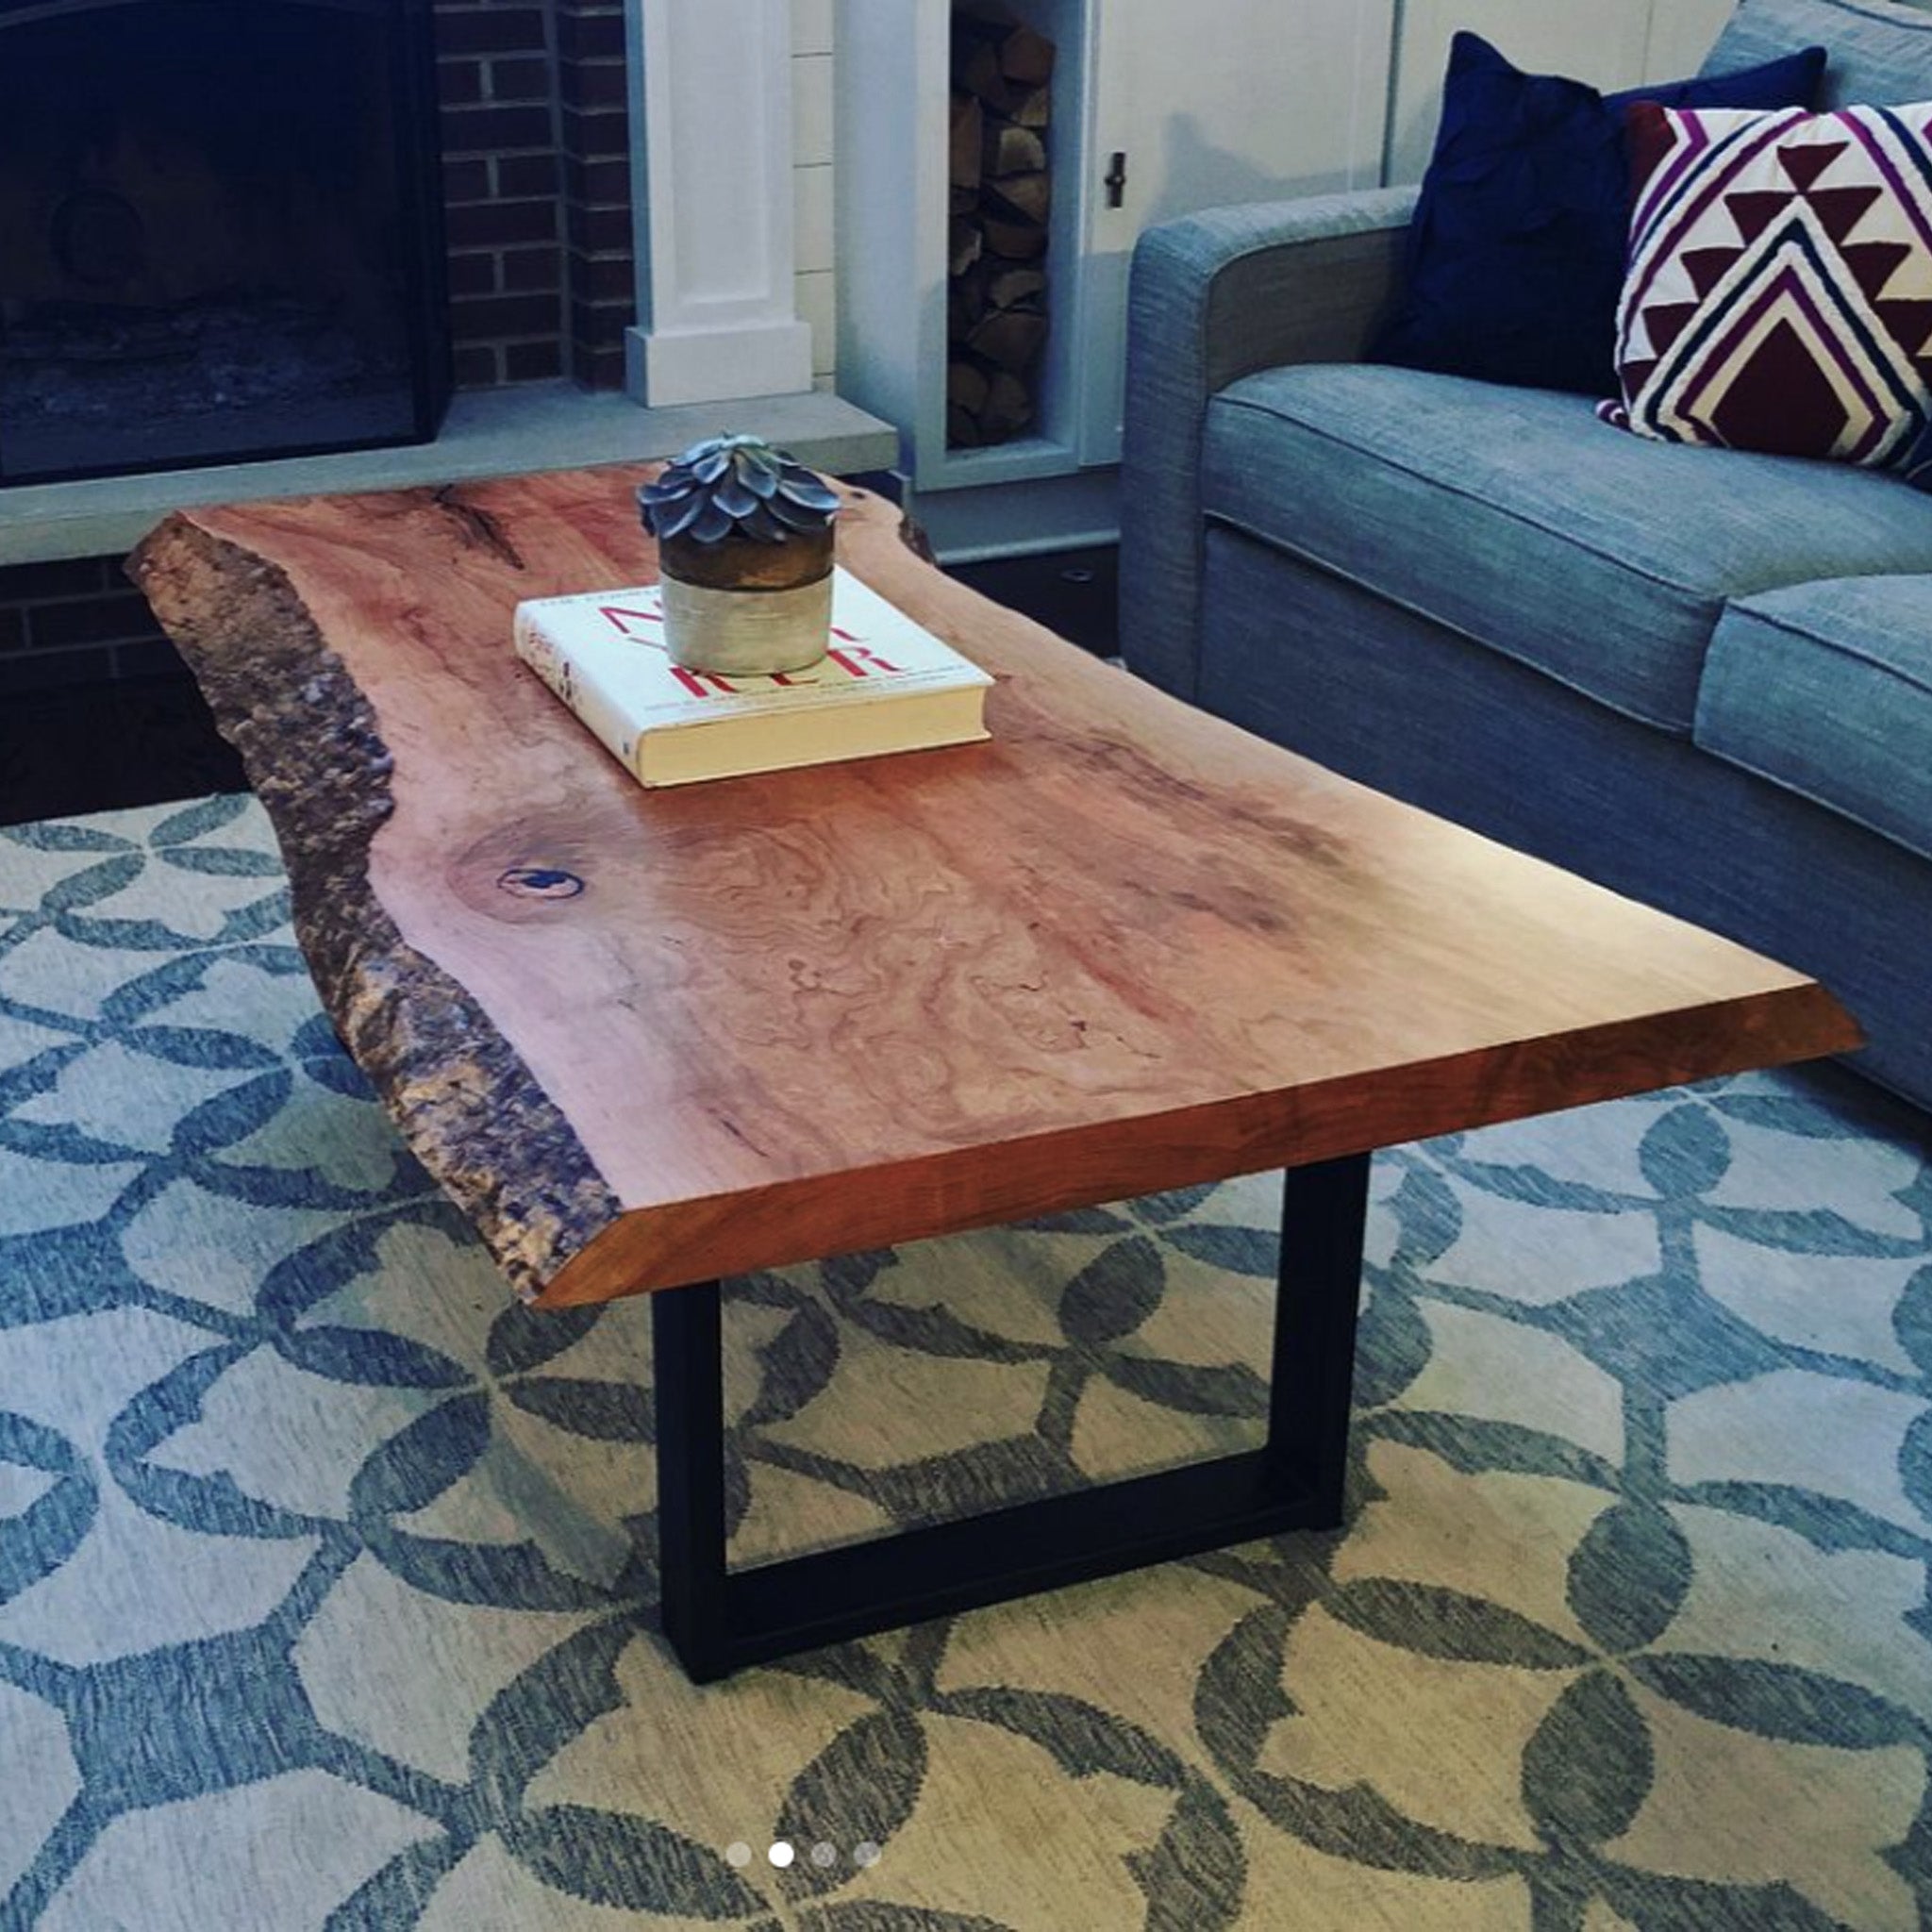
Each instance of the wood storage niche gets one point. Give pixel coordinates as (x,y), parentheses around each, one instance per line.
(1000,196)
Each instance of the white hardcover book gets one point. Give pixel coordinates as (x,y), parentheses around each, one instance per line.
(885,685)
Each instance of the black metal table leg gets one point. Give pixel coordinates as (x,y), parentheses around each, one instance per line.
(1318,1296)
(687,1366)
(718,1621)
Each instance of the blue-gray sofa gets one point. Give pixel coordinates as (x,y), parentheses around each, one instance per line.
(1699,677)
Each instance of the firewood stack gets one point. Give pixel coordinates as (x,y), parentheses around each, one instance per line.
(996,317)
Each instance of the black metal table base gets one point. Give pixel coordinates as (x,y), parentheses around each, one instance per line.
(719,1621)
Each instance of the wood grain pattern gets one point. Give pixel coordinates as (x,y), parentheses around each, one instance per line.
(1122,948)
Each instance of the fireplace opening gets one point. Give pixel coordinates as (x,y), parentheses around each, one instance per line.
(219,234)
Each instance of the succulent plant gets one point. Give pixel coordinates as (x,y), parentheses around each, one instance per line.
(736,486)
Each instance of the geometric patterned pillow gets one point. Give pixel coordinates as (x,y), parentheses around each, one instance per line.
(1778,294)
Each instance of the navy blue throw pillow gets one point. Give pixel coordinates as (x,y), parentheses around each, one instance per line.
(1515,256)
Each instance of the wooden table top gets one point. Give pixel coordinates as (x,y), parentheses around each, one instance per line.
(1123,947)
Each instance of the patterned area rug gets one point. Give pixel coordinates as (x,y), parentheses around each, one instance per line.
(326,1571)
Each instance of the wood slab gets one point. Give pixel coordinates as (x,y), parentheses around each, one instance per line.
(1122,948)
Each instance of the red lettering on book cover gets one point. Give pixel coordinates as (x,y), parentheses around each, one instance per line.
(614,615)
(857,660)
(696,681)
(854,663)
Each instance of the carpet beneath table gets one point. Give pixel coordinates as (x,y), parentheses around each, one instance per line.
(326,1571)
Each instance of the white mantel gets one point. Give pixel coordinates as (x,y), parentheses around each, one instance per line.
(711,95)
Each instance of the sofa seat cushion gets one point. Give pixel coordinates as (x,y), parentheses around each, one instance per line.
(1827,690)
(1517,519)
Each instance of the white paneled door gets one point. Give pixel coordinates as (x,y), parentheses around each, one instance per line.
(1682,32)
(1204,103)
(1210,103)
(1609,44)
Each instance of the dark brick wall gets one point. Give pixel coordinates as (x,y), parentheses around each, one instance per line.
(74,623)
(595,128)
(536,188)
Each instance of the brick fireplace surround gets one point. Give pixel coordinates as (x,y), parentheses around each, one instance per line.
(544,296)
(537,213)
(536,192)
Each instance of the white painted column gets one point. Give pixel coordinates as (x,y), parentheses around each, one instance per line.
(711,159)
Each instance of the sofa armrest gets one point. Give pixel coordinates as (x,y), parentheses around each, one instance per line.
(1211,298)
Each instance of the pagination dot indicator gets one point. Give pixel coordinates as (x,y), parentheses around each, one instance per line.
(822,1853)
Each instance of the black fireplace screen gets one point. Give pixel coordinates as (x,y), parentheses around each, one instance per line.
(219,232)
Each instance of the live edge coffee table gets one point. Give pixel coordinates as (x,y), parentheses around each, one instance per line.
(647,1039)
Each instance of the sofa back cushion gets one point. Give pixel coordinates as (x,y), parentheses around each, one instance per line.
(1877,51)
